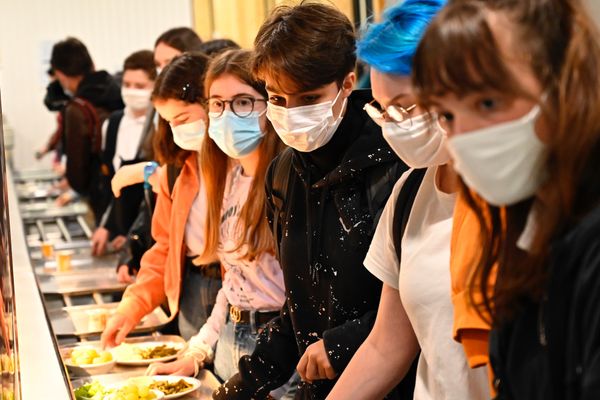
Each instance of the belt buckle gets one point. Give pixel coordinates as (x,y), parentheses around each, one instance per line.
(235,314)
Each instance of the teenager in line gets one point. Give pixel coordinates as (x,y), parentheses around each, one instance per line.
(519,103)
(237,229)
(415,311)
(324,194)
(179,216)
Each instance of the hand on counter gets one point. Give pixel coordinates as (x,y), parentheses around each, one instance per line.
(99,241)
(117,329)
(185,366)
(118,242)
(314,364)
(123,274)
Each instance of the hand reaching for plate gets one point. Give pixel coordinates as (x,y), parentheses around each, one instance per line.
(185,366)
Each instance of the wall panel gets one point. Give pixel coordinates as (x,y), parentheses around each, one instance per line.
(111,29)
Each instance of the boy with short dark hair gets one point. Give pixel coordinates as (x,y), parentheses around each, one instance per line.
(95,95)
(325,195)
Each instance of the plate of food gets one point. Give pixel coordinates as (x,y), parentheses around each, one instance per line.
(85,360)
(145,353)
(132,389)
(174,387)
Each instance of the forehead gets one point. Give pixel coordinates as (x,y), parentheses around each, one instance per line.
(228,85)
(170,108)
(163,51)
(136,75)
(385,87)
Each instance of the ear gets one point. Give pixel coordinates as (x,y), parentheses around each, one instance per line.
(348,84)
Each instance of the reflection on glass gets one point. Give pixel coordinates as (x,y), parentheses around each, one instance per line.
(8,348)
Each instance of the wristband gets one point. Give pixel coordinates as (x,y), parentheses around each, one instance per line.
(149,169)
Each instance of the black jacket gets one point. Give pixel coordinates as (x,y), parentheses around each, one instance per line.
(82,134)
(552,351)
(329,293)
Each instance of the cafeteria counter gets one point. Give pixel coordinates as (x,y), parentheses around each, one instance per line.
(63,307)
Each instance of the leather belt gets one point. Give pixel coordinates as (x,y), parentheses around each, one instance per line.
(258,318)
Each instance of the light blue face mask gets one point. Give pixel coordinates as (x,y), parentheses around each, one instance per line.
(236,136)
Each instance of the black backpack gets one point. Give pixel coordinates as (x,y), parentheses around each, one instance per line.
(403,207)
(380,185)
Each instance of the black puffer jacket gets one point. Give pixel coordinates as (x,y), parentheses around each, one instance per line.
(326,229)
(552,351)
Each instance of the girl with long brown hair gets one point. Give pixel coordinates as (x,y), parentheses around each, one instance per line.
(520,102)
(168,271)
(236,230)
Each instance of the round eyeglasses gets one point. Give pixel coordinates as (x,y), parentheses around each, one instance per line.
(396,114)
(242,106)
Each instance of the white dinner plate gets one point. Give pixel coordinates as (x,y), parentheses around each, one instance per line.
(172,379)
(123,353)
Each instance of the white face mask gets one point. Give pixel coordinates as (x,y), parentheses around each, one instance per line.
(306,128)
(136,99)
(504,163)
(189,136)
(420,142)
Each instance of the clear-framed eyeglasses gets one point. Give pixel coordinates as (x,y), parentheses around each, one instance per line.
(242,106)
(393,113)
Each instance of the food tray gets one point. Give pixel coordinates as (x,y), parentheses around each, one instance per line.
(208,382)
(35,175)
(75,283)
(74,320)
(81,263)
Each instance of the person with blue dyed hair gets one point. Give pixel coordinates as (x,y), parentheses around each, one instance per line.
(410,251)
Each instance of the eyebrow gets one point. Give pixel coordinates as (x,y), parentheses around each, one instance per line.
(216,96)
(179,115)
(396,98)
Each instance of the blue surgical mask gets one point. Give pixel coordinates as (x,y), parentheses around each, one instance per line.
(235,136)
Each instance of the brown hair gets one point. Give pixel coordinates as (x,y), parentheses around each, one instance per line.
(144,60)
(565,57)
(255,233)
(71,57)
(183,39)
(182,79)
(308,45)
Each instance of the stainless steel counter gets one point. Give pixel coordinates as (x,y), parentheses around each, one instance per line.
(41,370)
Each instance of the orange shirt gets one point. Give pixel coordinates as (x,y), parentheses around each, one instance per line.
(159,277)
(469,328)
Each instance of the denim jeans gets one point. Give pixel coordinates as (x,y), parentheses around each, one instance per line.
(197,299)
(235,341)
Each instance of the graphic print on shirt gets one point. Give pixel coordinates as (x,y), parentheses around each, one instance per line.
(250,284)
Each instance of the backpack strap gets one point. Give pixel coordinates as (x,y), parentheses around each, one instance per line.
(279,191)
(93,121)
(404,203)
(380,184)
(172,174)
(110,144)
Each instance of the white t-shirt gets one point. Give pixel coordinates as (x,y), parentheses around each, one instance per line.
(423,281)
(128,137)
(250,285)
(196,223)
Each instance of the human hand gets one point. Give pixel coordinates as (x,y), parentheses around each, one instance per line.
(117,328)
(118,242)
(41,153)
(154,181)
(314,364)
(99,241)
(185,366)
(123,274)
(63,199)
(127,175)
